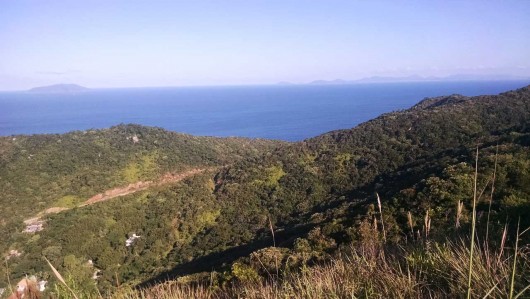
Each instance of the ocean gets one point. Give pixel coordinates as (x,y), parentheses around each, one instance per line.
(291,113)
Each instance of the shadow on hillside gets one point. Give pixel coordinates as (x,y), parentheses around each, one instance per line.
(217,260)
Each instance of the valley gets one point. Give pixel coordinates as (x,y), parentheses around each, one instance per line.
(220,211)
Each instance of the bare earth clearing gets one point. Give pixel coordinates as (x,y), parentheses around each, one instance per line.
(35,224)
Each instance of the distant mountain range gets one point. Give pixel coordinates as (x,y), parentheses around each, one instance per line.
(59,88)
(412,78)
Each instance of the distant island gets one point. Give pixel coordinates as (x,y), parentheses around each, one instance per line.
(59,88)
(412,78)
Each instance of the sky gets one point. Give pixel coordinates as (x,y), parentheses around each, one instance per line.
(132,43)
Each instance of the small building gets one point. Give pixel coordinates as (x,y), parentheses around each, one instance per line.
(131,240)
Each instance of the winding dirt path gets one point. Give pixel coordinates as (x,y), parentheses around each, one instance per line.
(35,223)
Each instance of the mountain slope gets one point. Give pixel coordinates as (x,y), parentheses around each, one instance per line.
(344,161)
(326,185)
(41,171)
(40,174)
(316,194)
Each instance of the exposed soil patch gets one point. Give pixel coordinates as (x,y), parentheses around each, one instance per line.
(35,224)
(55,210)
(141,185)
(119,191)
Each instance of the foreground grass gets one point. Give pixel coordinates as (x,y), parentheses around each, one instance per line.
(374,271)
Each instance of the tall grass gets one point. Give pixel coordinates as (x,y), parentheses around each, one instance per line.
(399,273)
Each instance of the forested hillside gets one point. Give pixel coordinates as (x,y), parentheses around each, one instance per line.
(40,174)
(43,171)
(317,196)
(388,154)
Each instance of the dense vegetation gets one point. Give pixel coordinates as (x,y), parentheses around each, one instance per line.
(317,196)
(41,171)
(44,171)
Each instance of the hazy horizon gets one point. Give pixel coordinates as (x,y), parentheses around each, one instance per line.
(525,81)
(113,44)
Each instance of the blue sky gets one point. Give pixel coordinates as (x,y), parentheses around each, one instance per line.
(180,43)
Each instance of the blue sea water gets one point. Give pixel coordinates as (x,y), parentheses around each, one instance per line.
(279,112)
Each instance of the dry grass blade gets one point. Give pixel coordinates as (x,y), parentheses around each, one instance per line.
(272,232)
(522,292)
(512,282)
(491,290)
(524,231)
(473,223)
(491,194)
(7,275)
(381,214)
(427,224)
(409,219)
(503,242)
(60,277)
(459,209)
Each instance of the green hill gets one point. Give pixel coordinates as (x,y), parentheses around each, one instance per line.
(42,171)
(318,195)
